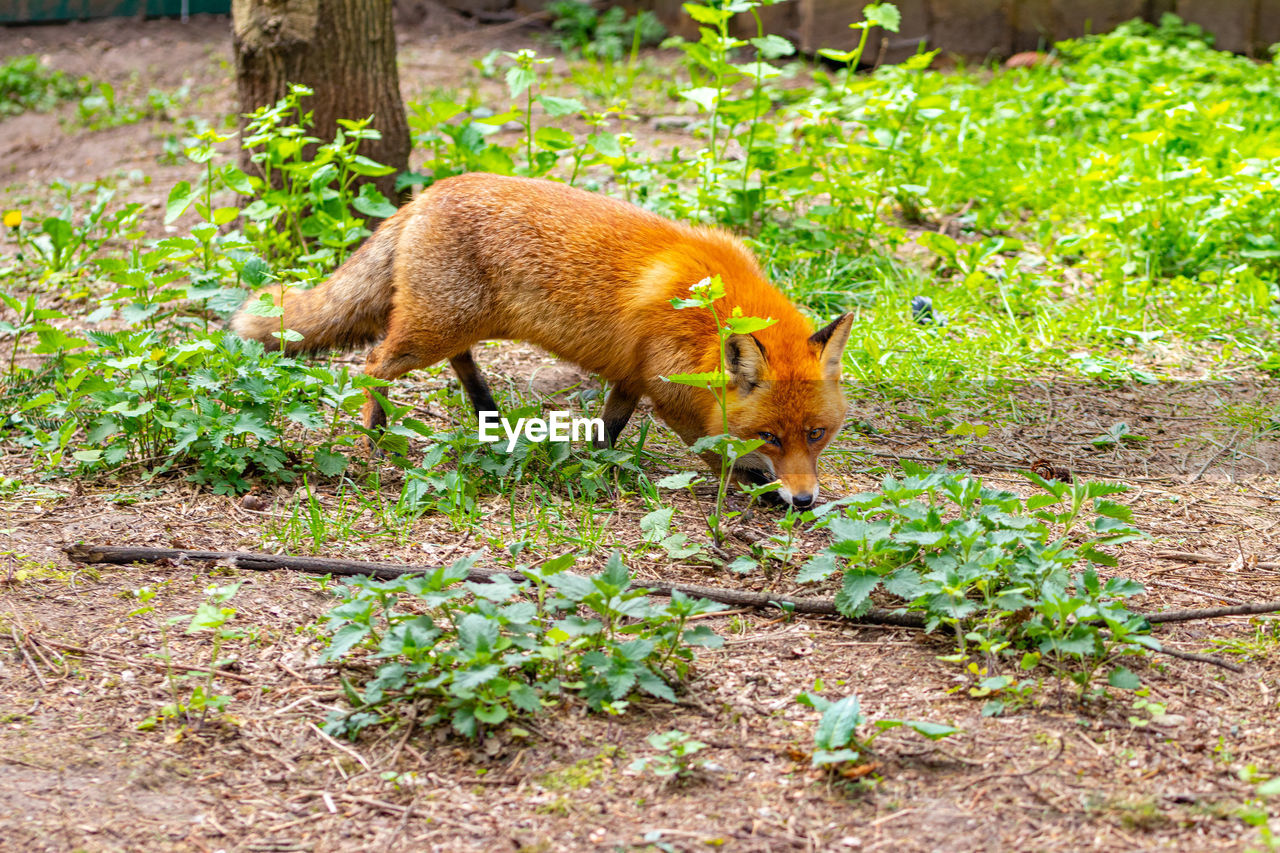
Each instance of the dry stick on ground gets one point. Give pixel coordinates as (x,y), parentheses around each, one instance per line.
(1225,664)
(1211,559)
(386,571)
(153,664)
(18,644)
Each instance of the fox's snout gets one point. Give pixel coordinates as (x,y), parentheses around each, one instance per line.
(802,499)
(797,487)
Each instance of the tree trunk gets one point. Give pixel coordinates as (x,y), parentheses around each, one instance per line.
(345,50)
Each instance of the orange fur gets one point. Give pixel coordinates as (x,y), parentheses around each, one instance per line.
(591,279)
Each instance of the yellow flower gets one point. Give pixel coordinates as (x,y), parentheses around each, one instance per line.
(12,218)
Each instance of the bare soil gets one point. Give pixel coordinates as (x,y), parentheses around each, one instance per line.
(78,670)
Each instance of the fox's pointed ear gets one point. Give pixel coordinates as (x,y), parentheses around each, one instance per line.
(828,344)
(744,357)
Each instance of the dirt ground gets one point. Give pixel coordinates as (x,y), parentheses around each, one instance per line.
(78,672)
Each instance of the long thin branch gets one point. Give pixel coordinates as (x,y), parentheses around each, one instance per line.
(389,571)
(154,664)
(1225,664)
(386,571)
(1187,557)
(1212,612)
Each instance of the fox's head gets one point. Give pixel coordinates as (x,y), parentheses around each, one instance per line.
(788,395)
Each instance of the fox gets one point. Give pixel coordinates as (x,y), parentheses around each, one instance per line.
(590,279)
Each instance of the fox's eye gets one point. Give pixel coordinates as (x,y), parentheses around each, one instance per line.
(816,433)
(771,439)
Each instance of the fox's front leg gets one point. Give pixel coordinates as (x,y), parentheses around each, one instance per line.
(754,470)
(749,471)
(618,408)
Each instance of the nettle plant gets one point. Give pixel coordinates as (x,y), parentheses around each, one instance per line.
(305,208)
(735,97)
(456,467)
(727,448)
(191,707)
(26,84)
(1013,580)
(163,391)
(836,742)
(476,654)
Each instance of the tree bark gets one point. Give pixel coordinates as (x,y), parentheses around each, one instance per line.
(345,50)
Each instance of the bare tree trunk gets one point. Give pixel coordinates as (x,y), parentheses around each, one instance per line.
(345,50)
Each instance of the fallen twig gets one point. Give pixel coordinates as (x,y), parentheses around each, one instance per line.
(1222,448)
(22,649)
(1225,664)
(386,571)
(348,750)
(1200,592)
(1212,612)
(154,664)
(1188,557)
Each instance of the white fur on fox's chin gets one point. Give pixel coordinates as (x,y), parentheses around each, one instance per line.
(785,494)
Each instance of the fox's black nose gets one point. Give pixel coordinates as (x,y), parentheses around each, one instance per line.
(804,500)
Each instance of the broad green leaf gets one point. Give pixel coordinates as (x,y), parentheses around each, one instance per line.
(852,599)
(557,107)
(838,724)
(679,481)
(519,79)
(1124,678)
(817,569)
(370,202)
(703,96)
(656,525)
(553,139)
(180,198)
(606,144)
(773,46)
(884,15)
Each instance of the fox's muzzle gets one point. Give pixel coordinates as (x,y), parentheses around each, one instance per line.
(800,499)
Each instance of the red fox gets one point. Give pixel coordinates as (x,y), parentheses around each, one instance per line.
(591,280)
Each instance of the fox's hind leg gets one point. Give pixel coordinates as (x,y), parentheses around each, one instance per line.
(473,382)
(400,353)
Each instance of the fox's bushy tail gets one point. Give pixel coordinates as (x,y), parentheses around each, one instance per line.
(349,310)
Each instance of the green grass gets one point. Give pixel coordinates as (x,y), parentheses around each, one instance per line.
(1064,221)
(26,84)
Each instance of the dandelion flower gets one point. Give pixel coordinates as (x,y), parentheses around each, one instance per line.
(12,218)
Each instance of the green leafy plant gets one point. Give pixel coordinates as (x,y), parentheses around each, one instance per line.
(152,396)
(604,35)
(1256,811)
(522,79)
(1008,577)
(727,448)
(64,247)
(674,758)
(836,741)
(101,107)
(478,654)
(304,207)
(717,80)
(212,616)
(26,84)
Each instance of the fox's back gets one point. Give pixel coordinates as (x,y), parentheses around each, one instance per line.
(585,276)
